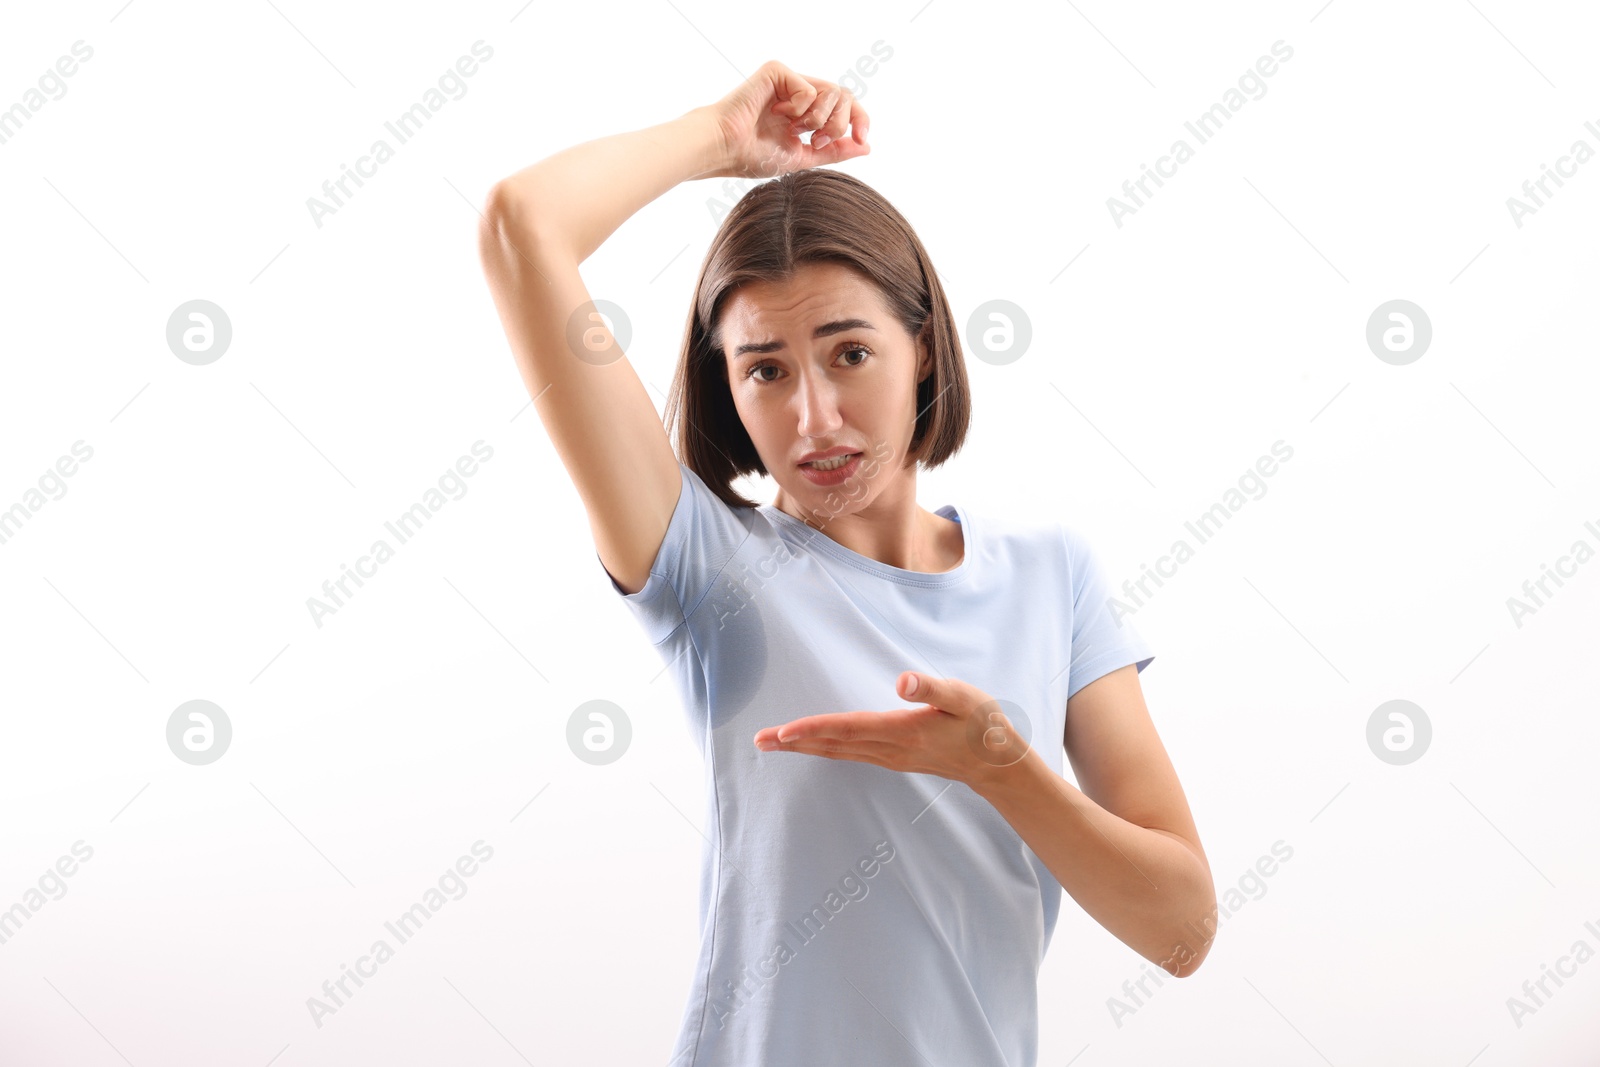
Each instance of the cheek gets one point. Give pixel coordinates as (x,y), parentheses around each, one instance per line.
(758,424)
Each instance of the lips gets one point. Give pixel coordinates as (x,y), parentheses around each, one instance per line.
(832,453)
(828,478)
(830,462)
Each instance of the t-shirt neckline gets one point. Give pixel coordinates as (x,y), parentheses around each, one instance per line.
(827,545)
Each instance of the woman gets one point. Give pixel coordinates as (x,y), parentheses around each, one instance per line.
(880,881)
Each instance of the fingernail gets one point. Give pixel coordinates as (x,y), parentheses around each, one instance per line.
(820,140)
(782,736)
(766,746)
(911,686)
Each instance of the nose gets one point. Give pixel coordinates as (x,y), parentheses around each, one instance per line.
(819,405)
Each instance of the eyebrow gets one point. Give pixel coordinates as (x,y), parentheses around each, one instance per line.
(827,329)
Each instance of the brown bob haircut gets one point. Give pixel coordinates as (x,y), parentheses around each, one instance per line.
(811,216)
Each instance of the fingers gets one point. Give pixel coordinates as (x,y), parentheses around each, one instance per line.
(826,148)
(948,693)
(795,95)
(880,752)
(858,122)
(828,115)
(822,107)
(816,116)
(809,728)
(834,111)
(839,120)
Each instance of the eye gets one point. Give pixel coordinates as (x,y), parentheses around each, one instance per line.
(844,349)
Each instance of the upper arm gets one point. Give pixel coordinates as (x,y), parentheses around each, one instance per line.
(1119,760)
(599,417)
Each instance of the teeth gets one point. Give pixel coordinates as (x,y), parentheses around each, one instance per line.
(831,464)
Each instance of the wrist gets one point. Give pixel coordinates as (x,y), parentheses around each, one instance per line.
(702,129)
(1005,785)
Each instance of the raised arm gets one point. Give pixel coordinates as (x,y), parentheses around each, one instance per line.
(540,223)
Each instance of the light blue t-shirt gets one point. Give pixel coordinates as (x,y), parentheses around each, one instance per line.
(851,914)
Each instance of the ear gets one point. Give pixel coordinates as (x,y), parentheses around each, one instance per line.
(925,353)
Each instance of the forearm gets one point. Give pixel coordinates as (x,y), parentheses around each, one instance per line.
(578,197)
(1147,887)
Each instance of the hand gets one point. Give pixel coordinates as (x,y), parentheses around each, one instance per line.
(760,123)
(960,733)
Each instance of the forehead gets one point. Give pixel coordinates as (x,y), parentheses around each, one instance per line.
(818,291)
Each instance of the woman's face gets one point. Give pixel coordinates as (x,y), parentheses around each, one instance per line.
(819,363)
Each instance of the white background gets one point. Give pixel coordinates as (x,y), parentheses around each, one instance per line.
(429,712)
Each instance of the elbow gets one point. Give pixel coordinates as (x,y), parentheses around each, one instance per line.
(501,216)
(1182,966)
(513,235)
(1190,944)
(1184,958)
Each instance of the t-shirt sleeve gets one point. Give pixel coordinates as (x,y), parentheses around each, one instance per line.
(702,537)
(1103,637)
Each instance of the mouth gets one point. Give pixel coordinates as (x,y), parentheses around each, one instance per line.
(831,471)
(832,462)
